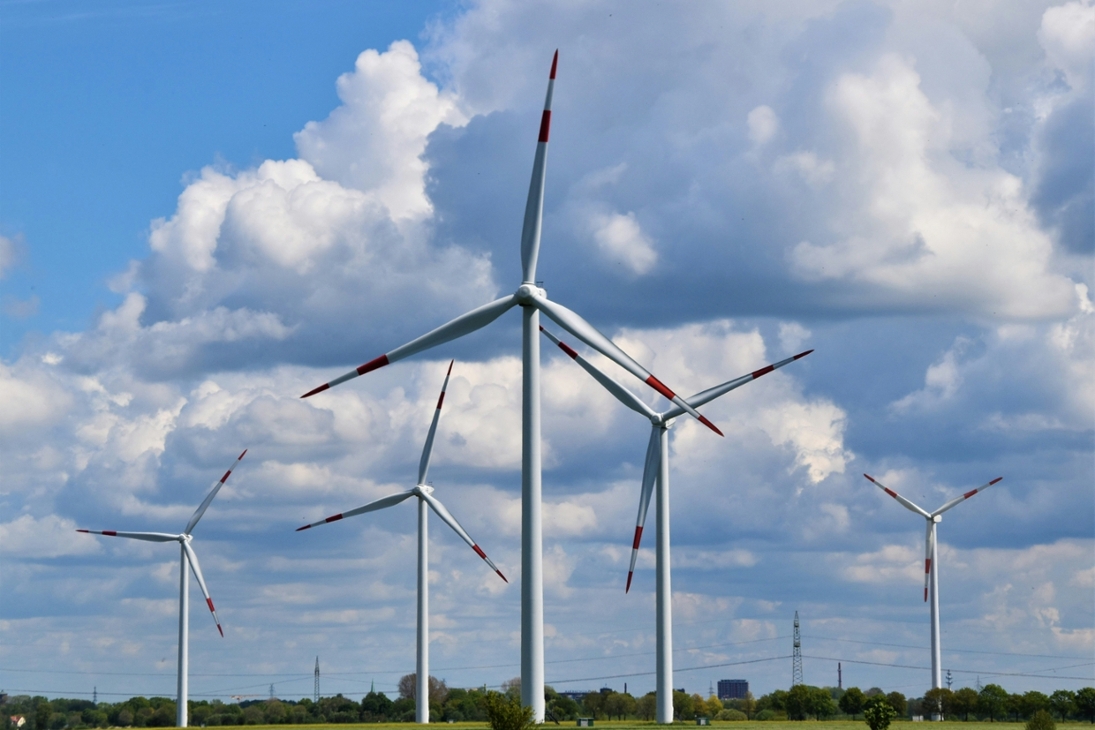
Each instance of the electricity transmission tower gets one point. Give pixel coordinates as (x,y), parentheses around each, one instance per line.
(796,658)
(317,681)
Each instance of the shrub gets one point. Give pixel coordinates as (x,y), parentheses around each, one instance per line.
(506,713)
(878,713)
(737,715)
(1041,720)
(765,715)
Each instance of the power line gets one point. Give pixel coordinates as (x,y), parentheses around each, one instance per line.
(956,651)
(991,673)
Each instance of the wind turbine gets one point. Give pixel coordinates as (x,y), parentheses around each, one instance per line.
(188,557)
(425,498)
(931,571)
(657,470)
(532,299)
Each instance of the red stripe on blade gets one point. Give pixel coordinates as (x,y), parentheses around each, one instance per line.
(629,575)
(243,454)
(638,537)
(372,365)
(112,533)
(995,480)
(320,389)
(554,64)
(306,527)
(226,475)
(927,566)
(763,371)
(545,125)
(566,348)
(870,477)
(969,494)
(479,551)
(802,354)
(925,593)
(220,629)
(713,427)
(334,518)
(88,531)
(440,400)
(890,492)
(500,575)
(660,387)
(210,602)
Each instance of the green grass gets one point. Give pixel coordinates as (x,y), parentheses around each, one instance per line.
(644,725)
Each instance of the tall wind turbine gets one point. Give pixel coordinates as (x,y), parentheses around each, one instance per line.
(188,557)
(532,299)
(425,498)
(657,470)
(931,569)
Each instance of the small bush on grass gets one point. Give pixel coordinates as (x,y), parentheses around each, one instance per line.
(506,713)
(1041,720)
(738,715)
(878,713)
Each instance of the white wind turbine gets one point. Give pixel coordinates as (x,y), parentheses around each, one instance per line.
(187,558)
(532,299)
(425,498)
(931,570)
(656,470)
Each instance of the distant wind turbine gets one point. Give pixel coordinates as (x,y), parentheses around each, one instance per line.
(188,557)
(425,497)
(532,299)
(931,569)
(657,470)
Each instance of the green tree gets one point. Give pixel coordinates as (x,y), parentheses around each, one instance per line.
(408,687)
(878,712)
(821,703)
(647,706)
(1031,702)
(594,704)
(898,702)
(851,702)
(938,700)
(991,701)
(800,702)
(1085,703)
(507,713)
(375,707)
(964,701)
(42,712)
(683,708)
(1063,703)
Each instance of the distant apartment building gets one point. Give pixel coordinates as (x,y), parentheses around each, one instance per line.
(733,689)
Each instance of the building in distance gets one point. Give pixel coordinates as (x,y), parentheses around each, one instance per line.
(733,689)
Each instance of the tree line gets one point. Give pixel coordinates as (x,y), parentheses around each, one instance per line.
(801,702)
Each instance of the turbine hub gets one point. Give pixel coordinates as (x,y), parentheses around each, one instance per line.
(424,489)
(527,292)
(937,518)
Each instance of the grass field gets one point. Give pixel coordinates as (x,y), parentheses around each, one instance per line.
(640,725)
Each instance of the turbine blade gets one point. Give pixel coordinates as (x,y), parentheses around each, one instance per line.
(650,474)
(711,394)
(192,558)
(587,333)
(964,497)
(904,502)
(928,540)
(534,207)
(146,536)
(424,463)
(370,507)
(622,394)
(449,520)
(462,325)
(209,497)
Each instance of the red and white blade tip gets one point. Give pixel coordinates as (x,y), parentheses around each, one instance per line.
(630,574)
(662,388)
(479,551)
(332,518)
(374,364)
(801,355)
(554,64)
(213,611)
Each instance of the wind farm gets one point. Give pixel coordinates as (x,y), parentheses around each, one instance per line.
(873,210)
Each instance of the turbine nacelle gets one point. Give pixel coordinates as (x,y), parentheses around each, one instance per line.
(527,294)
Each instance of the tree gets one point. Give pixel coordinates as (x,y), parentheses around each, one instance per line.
(512,687)
(938,700)
(594,704)
(851,703)
(800,702)
(748,705)
(898,702)
(1085,703)
(1063,703)
(992,700)
(964,701)
(878,712)
(647,706)
(408,687)
(683,708)
(619,705)
(506,713)
(1031,702)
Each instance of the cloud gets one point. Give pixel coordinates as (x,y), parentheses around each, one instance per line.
(621,240)
(763,124)
(49,537)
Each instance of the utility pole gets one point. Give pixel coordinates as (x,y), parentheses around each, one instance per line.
(839,677)
(950,679)
(94,695)
(271,691)
(316,700)
(796,659)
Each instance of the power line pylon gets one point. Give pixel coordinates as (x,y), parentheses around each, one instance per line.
(316,698)
(796,657)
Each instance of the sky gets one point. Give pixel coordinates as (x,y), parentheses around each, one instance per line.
(207,209)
